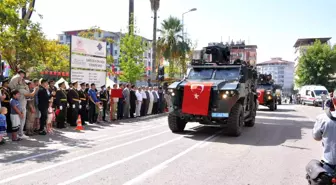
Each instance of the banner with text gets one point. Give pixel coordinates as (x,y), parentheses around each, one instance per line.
(97,77)
(87,46)
(88,62)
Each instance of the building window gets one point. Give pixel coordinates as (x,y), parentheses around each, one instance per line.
(99,34)
(61,37)
(149,64)
(115,52)
(116,61)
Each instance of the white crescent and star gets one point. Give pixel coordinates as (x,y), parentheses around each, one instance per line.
(194,86)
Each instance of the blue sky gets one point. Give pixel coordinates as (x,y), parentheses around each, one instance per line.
(273,25)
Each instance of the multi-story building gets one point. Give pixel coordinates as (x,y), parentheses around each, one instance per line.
(238,50)
(244,52)
(113,49)
(282,72)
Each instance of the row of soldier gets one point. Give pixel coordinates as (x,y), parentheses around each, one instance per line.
(42,103)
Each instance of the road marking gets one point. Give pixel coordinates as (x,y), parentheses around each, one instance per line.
(72,147)
(48,153)
(118,162)
(164,164)
(125,131)
(6,180)
(130,133)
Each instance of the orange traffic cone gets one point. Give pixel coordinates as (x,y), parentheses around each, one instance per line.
(79,123)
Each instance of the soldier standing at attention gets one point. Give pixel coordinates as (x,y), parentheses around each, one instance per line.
(73,99)
(61,105)
(5,103)
(103,98)
(83,103)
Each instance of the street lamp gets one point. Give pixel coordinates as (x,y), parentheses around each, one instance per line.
(191,10)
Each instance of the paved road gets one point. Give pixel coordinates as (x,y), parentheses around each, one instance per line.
(273,152)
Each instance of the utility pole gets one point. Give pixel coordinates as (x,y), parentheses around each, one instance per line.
(131,17)
(154,47)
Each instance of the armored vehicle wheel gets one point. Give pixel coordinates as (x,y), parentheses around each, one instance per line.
(272,106)
(236,120)
(175,123)
(251,122)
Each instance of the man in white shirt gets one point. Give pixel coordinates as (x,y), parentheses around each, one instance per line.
(324,98)
(138,94)
(144,100)
(155,93)
(151,100)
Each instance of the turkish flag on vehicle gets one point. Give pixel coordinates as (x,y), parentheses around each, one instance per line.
(196,98)
(261,94)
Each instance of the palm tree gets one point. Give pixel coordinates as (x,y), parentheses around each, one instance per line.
(155,5)
(170,38)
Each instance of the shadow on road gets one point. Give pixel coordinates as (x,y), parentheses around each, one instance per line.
(266,132)
(36,145)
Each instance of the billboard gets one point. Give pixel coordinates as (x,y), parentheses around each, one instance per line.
(88,61)
(87,46)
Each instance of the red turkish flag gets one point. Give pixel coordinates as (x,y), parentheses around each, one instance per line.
(261,93)
(196,98)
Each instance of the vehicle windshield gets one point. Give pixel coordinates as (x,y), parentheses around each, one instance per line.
(265,86)
(227,74)
(200,74)
(319,92)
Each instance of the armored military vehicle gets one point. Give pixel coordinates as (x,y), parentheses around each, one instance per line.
(216,92)
(266,91)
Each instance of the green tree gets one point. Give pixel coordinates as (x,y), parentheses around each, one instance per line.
(132,48)
(316,66)
(170,38)
(19,37)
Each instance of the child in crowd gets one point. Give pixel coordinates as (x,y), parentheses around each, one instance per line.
(16,114)
(3,125)
(51,118)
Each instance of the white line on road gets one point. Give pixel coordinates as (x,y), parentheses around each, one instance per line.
(130,133)
(6,180)
(72,147)
(165,163)
(118,162)
(125,131)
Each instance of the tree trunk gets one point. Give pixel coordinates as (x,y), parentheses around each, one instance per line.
(154,46)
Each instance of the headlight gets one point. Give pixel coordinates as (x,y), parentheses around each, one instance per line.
(268,92)
(269,97)
(227,94)
(171,92)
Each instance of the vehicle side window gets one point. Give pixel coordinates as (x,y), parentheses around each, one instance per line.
(308,93)
(312,93)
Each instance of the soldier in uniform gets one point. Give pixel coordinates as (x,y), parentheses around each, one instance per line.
(5,103)
(61,106)
(73,99)
(83,103)
(103,98)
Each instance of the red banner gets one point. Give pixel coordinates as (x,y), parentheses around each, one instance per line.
(261,94)
(116,93)
(196,98)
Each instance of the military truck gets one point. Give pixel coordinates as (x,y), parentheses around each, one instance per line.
(266,91)
(216,92)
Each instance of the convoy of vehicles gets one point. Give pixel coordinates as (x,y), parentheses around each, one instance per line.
(215,92)
(266,91)
(311,94)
